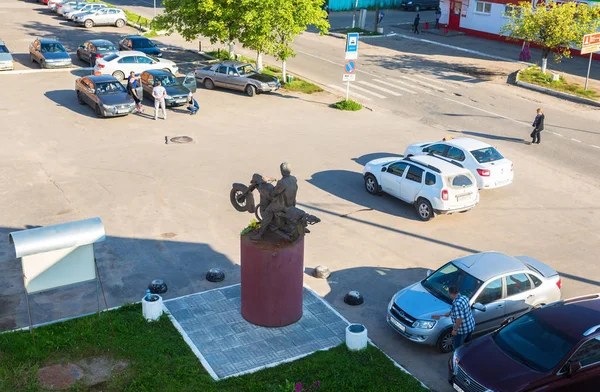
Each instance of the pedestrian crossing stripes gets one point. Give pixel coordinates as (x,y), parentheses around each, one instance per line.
(383,88)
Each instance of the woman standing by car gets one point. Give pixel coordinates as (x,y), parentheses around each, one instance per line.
(131,89)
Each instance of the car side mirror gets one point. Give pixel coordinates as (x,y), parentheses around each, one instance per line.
(573,367)
(478,306)
(428,273)
(383,169)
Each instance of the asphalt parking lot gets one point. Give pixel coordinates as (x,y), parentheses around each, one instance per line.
(167,213)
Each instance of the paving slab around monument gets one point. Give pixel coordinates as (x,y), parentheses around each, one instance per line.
(227,345)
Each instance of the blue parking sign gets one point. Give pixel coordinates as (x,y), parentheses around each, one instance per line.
(352,46)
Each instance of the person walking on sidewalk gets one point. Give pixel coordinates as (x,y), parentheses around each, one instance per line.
(438,15)
(159,94)
(416,24)
(462,318)
(538,127)
(132,81)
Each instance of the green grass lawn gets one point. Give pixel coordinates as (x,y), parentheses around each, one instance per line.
(161,361)
(297,85)
(348,105)
(535,76)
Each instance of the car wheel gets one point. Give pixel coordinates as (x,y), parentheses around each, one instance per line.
(371,184)
(120,23)
(88,23)
(445,342)
(209,84)
(424,210)
(250,90)
(79,99)
(118,75)
(98,111)
(417,8)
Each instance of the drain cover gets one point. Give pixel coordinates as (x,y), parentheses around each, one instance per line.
(181,139)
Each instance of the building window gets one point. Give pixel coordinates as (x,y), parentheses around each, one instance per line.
(509,9)
(483,8)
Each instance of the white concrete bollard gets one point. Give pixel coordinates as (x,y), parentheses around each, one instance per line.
(152,310)
(356,337)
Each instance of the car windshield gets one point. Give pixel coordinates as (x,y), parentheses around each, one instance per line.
(106,46)
(52,48)
(109,88)
(449,275)
(488,154)
(534,342)
(142,43)
(167,80)
(3,49)
(246,69)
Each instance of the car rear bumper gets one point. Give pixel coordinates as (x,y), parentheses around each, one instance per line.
(454,210)
(491,183)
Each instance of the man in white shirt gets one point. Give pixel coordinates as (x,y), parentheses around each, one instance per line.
(159,93)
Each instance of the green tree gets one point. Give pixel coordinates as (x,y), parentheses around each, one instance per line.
(218,20)
(555,28)
(290,18)
(257,33)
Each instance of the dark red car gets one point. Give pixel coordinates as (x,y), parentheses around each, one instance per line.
(553,348)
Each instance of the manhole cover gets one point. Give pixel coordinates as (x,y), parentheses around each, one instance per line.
(181,139)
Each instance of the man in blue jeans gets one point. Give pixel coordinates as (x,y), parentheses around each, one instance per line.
(194,107)
(462,318)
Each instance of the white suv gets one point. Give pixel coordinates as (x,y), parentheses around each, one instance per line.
(431,184)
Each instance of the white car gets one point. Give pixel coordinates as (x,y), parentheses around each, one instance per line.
(64,7)
(490,168)
(102,17)
(432,185)
(88,8)
(122,63)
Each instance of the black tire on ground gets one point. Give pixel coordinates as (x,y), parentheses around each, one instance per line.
(371,184)
(250,90)
(98,111)
(118,75)
(208,84)
(42,64)
(79,99)
(31,58)
(120,23)
(424,209)
(445,342)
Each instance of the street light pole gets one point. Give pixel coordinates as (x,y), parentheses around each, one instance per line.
(354,15)
(155,8)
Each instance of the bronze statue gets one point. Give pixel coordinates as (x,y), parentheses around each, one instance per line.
(277,210)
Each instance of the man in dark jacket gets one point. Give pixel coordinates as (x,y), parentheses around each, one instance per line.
(538,127)
(416,24)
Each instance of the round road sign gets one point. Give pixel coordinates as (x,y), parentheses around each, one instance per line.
(350,67)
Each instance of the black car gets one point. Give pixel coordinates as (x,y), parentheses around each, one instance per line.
(420,5)
(105,94)
(141,44)
(177,91)
(89,51)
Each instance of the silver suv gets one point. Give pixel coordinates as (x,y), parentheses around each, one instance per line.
(102,17)
(501,288)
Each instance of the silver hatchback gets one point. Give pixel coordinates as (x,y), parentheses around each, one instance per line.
(500,287)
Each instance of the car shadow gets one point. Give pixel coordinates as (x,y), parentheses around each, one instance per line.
(349,186)
(491,137)
(364,159)
(68,99)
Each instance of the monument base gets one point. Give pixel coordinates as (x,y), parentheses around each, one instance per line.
(272,274)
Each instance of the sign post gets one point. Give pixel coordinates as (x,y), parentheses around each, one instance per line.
(591,44)
(351,56)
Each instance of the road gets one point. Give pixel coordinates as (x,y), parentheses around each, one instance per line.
(166,210)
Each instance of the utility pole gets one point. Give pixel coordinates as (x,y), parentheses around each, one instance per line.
(376,18)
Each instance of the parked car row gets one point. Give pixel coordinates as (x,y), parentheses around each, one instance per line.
(6,60)
(440,177)
(88,14)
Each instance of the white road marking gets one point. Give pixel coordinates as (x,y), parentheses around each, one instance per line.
(423,83)
(575,140)
(415,87)
(426,78)
(595,146)
(368,92)
(488,112)
(352,94)
(385,90)
(558,134)
(395,86)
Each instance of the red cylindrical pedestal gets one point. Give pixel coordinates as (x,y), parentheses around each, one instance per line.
(272,276)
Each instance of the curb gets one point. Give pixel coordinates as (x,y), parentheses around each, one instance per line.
(558,94)
(137,26)
(361,36)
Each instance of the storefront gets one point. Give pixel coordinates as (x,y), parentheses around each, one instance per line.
(482,18)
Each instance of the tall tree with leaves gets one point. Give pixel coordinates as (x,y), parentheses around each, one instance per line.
(292,17)
(218,20)
(258,21)
(555,28)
